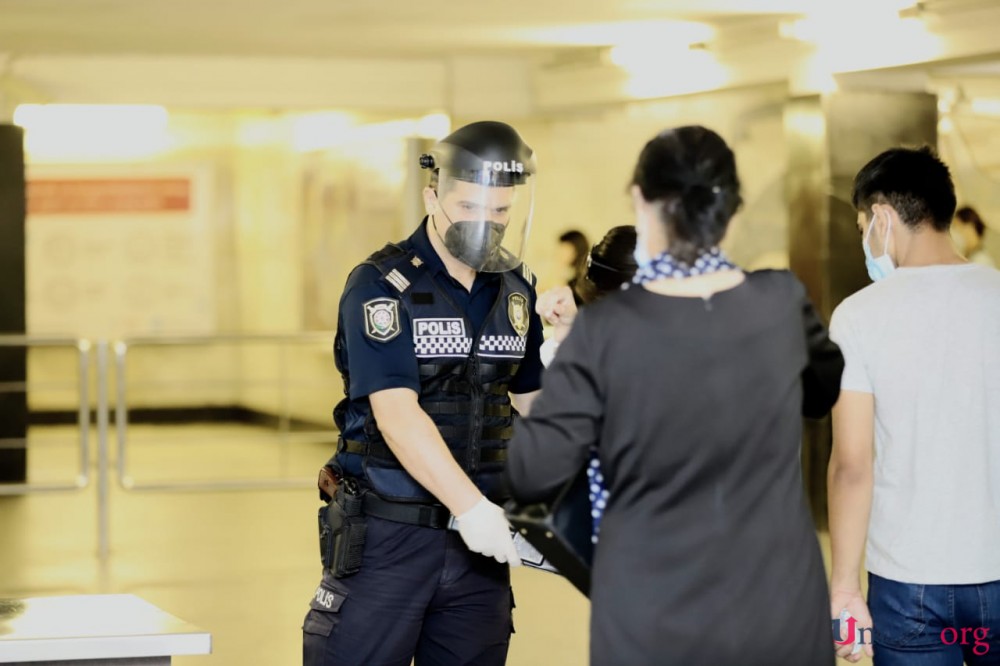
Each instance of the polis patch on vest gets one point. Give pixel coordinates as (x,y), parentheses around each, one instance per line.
(449,326)
(381,319)
(517,312)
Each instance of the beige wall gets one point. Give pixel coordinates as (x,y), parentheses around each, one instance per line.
(970,146)
(586,162)
(263,209)
(285,227)
(203,149)
(298,241)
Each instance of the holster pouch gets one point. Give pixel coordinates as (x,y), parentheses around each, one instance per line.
(327,483)
(342,531)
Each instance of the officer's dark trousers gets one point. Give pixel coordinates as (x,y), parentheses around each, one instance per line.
(420,594)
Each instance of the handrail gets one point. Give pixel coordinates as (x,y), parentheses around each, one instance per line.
(121,350)
(103,513)
(228,338)
(83,348)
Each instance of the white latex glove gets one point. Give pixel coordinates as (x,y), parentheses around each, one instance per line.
(484,529)
(547,352)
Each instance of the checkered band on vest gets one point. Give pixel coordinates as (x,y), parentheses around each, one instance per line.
(503,343)
(441,345)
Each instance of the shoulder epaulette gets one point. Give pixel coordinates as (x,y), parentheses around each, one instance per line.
(526,274)
(399,267)
(388,253)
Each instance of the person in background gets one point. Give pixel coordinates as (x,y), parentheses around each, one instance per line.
(573,248)
(607,266)
(610,265)
(692,385)
(914,476)
(968,231)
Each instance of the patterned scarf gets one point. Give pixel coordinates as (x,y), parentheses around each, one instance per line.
(664,265)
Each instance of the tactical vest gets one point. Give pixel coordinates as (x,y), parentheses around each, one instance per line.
(464,378)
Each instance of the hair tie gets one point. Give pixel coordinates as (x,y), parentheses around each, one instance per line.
(690,184)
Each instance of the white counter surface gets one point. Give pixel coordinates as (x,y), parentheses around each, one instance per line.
(106,626)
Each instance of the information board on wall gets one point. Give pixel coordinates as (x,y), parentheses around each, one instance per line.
(114,252)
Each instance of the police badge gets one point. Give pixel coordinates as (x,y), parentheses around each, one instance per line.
(382,319)
(517,312)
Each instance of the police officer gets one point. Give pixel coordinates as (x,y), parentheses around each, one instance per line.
(438,343)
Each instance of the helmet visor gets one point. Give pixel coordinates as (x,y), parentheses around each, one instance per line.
(484,216)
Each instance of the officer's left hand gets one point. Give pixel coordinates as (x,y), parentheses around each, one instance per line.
(557,307)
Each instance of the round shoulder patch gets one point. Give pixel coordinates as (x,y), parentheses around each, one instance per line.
(381,318)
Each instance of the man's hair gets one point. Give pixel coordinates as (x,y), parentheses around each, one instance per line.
(435,183)
(969,215)
(914,181)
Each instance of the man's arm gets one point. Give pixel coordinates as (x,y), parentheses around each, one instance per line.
(416,442)
(850,481)
(528,378)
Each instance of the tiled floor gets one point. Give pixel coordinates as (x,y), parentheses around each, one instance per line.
(240,564)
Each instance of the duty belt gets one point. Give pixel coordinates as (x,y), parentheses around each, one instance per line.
(382,450)
(423,515)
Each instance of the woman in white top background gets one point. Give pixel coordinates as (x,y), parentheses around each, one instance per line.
(968,230)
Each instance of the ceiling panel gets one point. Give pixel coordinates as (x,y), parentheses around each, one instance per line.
(329,28)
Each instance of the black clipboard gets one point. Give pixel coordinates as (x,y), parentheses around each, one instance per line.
(561,530)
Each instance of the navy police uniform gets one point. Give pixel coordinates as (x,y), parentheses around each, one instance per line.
(404,322)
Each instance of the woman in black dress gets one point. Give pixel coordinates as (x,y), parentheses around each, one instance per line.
(692,385)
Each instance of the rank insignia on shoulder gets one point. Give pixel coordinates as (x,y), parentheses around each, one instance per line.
(381,319)
(529,277)
(397,280)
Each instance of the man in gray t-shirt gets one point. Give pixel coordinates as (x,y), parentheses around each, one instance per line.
(914,478)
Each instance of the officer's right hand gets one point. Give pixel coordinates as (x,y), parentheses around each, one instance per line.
(485,530)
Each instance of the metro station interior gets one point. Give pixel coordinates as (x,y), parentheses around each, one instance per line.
(197,179)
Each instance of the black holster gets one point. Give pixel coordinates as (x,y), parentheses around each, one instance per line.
(342,531)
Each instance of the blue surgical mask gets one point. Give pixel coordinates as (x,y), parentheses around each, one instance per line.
(878,267)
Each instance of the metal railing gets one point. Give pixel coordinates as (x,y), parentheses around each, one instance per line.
(82,348)
(121,351)
(282,382)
